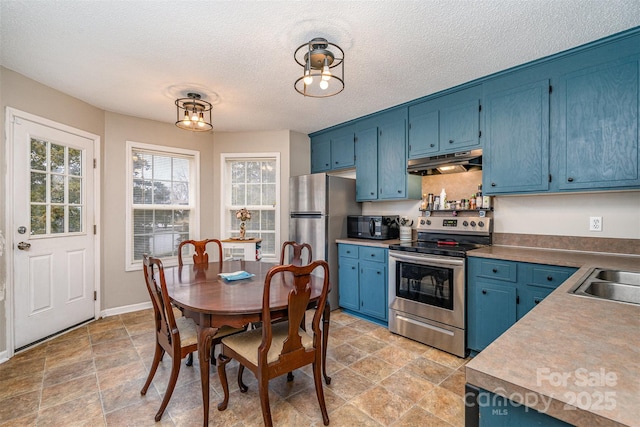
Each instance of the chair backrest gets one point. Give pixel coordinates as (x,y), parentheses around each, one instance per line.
(299,279)
(200,255)
(297,257)
(166,329)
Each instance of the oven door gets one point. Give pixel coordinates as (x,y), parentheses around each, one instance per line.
(428,286)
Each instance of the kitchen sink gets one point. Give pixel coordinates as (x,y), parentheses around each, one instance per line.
(613,285)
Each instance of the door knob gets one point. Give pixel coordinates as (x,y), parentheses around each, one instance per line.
(23,246)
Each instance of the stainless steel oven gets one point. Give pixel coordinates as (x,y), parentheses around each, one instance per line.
(427,299)
(427,281)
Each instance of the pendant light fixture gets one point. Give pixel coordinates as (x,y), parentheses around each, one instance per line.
(322,70)
(193,113)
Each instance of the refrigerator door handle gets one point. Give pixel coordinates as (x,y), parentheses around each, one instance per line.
(306,215)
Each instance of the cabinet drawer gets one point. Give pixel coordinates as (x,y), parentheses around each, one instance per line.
(368,253)
(348,251)
(498,270)
(550,277)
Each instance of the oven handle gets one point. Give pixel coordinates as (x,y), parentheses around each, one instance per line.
(424,325)
(422,259)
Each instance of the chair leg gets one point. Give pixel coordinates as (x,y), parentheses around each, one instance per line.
(290,377)
(317,379)
(157,356)
(243,387)
(263,385)
(189,361)
(175,370)
(222,374)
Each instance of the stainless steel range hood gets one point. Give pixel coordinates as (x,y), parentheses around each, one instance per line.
(446,163)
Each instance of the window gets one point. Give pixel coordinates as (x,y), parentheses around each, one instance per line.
(162,201)
(252,181)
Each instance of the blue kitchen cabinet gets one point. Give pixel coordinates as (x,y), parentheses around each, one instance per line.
(487,409)
(460,126)
(333,150)
(320,153)
(424,129)
(392,157)
(516,147)
(496,311)
(362,277)
(383,169)
(367,164)
(501,292)
(446,124)
(597,129)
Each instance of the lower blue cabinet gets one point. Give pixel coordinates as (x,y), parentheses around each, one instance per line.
(501,292)
(362,281)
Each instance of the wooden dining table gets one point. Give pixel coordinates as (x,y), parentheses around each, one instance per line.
(212,302)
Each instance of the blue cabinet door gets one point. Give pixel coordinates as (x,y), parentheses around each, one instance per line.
(321,153)
(516,147)
(392,158)
(460,126)
(597,132)
(348,283)
(367,164)
(373,289)
(343,149)
(495,311)
(424,134)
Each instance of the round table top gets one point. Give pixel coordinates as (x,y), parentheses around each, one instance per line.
(199,288)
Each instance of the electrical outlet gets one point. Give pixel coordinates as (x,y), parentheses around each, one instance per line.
(595,223)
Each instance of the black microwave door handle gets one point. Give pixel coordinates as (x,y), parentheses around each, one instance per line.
(372,227)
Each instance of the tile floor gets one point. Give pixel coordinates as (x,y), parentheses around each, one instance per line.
(92,376)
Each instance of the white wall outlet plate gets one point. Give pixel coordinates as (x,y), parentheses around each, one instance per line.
(595,223)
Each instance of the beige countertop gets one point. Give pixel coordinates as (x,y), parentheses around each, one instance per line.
(369,242)
(575,358)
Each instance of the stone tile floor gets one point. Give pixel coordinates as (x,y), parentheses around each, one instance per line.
(92,376)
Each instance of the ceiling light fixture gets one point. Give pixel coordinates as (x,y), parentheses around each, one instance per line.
(191,111)
(323,71)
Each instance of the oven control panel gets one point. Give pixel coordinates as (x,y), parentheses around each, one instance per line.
(467,224)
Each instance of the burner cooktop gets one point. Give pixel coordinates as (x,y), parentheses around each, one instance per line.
(448,236)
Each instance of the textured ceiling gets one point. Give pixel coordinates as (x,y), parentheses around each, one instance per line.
(137,57)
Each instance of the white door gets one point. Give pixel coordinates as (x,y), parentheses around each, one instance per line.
(53,230)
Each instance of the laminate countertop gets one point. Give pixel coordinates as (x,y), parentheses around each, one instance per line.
(574,358)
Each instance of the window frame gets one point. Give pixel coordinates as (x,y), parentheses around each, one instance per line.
(194,197)
(225,194)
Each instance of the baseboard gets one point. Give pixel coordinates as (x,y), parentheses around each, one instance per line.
(125,309)
(3,356)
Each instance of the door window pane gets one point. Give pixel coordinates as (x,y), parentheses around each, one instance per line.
(56,182)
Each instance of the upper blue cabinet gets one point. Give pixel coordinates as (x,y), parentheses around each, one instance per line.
(596,132)
(381,158)
(569,123)
(445,124)
(333,150)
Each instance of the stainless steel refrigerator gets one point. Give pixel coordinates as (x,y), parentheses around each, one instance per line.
(319,205)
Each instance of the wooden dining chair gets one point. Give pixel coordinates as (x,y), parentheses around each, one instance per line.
(176,336)
(297,257)
(200,255)
(278,348)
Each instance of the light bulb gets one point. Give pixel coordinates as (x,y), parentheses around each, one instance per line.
(186,118)
(308,79)
(326,74)
(194,116)
(201,124)
(324,84)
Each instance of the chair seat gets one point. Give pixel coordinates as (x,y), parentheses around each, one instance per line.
(189,331)
(246,344)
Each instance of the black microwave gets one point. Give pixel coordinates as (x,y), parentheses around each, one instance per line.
(379,227)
